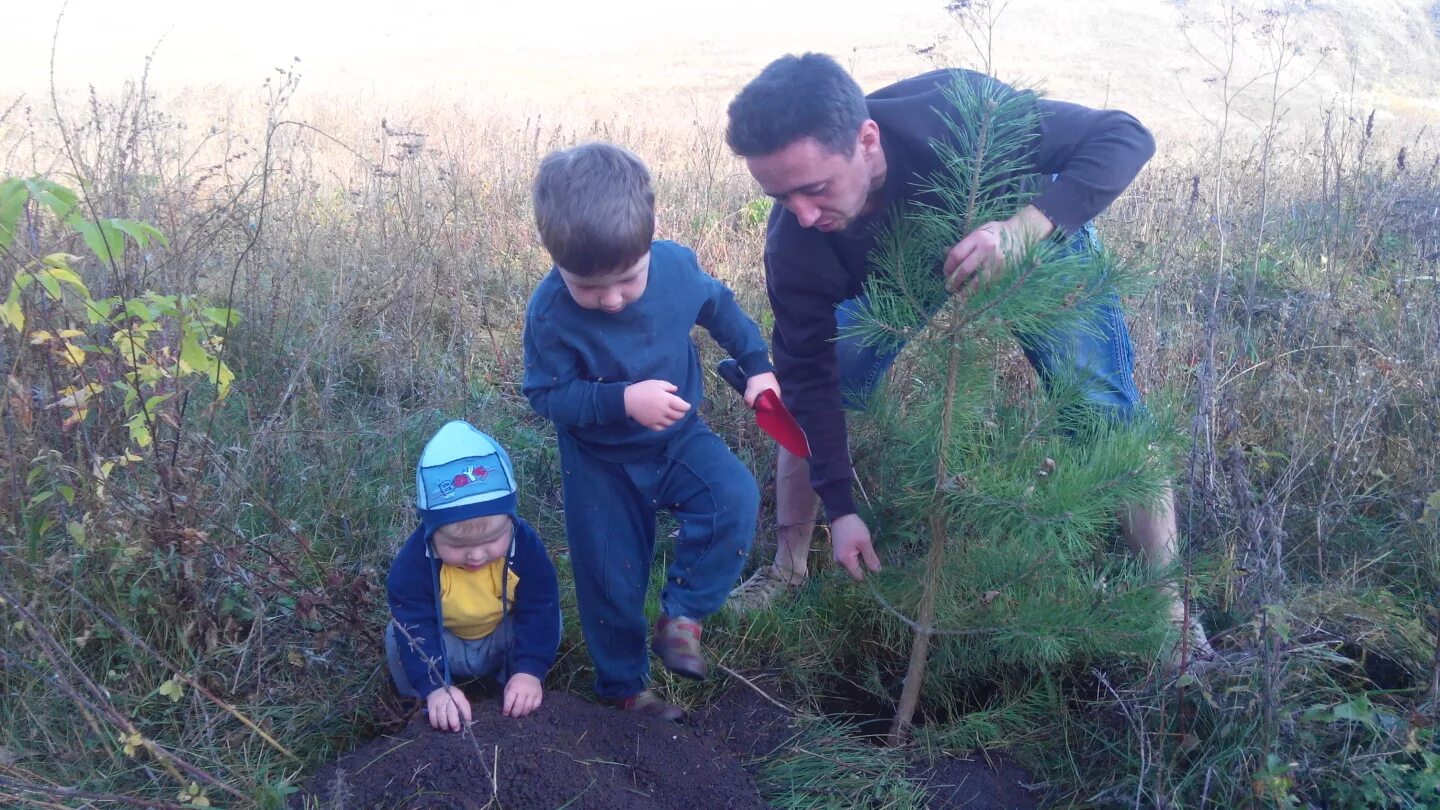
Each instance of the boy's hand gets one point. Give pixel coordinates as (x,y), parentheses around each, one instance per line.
(448,708)
(523,693)
(850,541)
(653,404)
(759,383)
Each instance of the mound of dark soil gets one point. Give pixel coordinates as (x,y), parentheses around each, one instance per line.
(569,753)
(572,753)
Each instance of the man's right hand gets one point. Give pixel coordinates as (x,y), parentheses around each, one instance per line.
(850,540)
(448,708)
(653,404)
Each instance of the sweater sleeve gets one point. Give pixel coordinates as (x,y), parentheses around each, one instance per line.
(805,363)
(1097,154)
(553,384)
(735,331)
(410,591)
(537,605)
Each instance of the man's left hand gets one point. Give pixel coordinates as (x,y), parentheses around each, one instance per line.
(975,259)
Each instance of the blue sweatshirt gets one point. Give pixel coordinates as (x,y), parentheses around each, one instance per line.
(579,361)
(414,594)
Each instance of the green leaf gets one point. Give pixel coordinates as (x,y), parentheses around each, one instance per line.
(100,310)
(103,239)
(66,492)
(163,304)
(59,199)
(13,195)
(139,431)
(41,498)
(137,308)
(142,232)
(49,282)
(193,357)
(76,531)
(154,402)
(221,316)
(10,311)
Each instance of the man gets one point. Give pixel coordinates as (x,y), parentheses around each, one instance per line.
(839,164)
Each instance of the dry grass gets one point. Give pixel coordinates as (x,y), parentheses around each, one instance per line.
(382,267)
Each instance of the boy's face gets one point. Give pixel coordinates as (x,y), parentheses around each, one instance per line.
(612,291)
(475,543)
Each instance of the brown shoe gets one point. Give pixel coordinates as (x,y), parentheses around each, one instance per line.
(677,642)
(649,704)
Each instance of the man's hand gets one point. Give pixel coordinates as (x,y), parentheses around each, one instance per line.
(448,708)
(522,694)
(850,540)
(974,260)
(759,383)
(653,404)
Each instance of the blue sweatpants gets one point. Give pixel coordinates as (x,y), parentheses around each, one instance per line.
(610,513)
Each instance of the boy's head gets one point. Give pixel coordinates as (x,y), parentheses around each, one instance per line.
(465,495)
(595,211)
(806,135)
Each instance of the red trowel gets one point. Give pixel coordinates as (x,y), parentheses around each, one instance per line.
(770,413)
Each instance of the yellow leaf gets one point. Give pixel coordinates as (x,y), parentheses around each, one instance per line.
(132,742)
(40,336)
(70,333)
(295,659)
(173,690)
(72,354)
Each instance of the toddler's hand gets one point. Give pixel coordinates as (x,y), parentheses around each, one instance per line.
(448,708)
(653,404)
(523,693)
(758,383)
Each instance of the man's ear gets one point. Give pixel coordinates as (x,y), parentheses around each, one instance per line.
(868,138)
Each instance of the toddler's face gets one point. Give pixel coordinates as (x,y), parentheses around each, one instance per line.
(475,543)
(612,291)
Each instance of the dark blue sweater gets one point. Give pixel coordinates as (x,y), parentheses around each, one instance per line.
(579,361)
(414,593)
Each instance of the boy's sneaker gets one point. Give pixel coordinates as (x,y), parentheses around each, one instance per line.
(677,642)
(649,704)
(762,589)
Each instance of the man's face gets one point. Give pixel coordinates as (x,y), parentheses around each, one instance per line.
(824,190)
(612,291)
(475,543)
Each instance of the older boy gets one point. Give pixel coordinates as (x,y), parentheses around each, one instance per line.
(472,591)
(610,360)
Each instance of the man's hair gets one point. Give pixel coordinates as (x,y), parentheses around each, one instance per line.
(796,97)
(594,208)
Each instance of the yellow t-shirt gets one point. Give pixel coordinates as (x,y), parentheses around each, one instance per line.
(470,600)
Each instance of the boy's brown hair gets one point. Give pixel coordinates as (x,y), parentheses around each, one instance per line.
(594,208)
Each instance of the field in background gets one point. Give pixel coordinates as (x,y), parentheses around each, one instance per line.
(221,592)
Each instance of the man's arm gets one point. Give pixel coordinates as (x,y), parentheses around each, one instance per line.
(803,343)
(1097,154)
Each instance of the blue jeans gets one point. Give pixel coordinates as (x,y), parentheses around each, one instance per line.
(1098,358)
(468,658)
(610,511)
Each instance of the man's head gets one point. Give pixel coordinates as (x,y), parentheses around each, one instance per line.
(807,138)
(465,495)
(595,211)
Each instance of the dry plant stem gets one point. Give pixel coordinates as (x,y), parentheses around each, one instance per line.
(71,793)
(153,653)
(761,692)
(62,663)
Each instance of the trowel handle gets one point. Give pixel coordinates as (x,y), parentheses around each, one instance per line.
(730,372)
